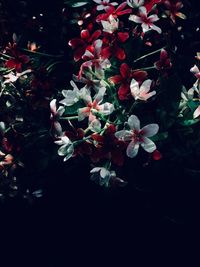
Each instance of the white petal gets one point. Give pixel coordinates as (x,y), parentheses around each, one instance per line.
(124,135)
(88,54)
(74,85)
(97,1)
(100,7)
(114,4)
(134,88)
(146,96)
(98,45)
(153,18)
(143,10)
(194,69)
(99,96)
(196,113)
(95,125)
(191,92)
(96,169)
(148,145)
(60,111)
(104,172)
(70,152)
(83,113)
(63,141)
(145,27)
(145,87)
(62,151)
(53,106)
(135,19)
(155,28)
(132,149)
(150,129)
(134,122)
(57,128)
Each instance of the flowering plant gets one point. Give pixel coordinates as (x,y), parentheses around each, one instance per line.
(122,58)
(124,99)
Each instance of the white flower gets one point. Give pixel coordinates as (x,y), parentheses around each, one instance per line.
(102,175)
(187,95)
(66,149)
(111,25)
(95,58)
(142,92)
(135,3)
(138,136)
(11,77)
(104,4)
(55,116)
(94,106)
(195,70)
(89,80)
(72,96)
(146,22)
(196,113)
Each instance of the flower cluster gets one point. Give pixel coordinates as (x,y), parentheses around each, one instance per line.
(114,96)
(99,117)
(190,102)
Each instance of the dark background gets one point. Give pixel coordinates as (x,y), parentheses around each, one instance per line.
(154,219)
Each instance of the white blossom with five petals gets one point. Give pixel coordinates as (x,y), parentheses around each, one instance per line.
(138,136)
(142,92)
(135,3)
(147,22)
(102,175)
(95,106)
(72,96)
(66,149)
(111,25)
(104,4)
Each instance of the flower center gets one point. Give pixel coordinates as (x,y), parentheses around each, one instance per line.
(138,136)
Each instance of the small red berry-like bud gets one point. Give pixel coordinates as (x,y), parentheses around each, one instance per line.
(157,155)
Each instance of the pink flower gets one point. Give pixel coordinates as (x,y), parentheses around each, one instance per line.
(142,92)
(195,70)
(94,106)
(164,61)
(95,57)
(196,113)
(146,22)
(138,136)
(110,25)
(124,79)
(81,44)
(17,60)
(111,43)
(149,4)
(104,4)
(135,3)
(119,11)
(55,115)
(173,9)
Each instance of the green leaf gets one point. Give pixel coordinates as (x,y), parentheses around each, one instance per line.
(189,122)
(76,4)
(73,110)
(192,105)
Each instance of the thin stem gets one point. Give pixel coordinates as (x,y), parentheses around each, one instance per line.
(132,107)
(4,55)
(69,118)
(41,54)
(149,54)
(147,68)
